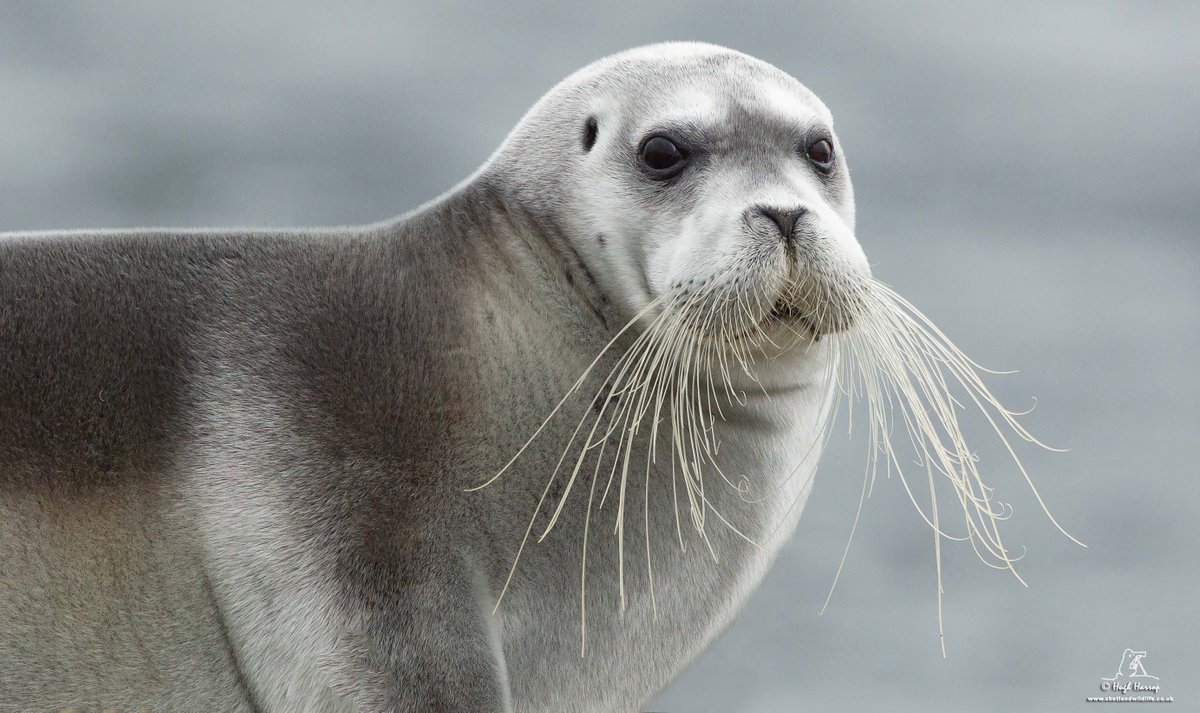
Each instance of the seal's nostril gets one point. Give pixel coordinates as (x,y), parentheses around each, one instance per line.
(785,218)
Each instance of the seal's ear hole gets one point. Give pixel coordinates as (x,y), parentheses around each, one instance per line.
(589,133)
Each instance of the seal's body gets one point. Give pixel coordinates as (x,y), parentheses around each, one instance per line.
(233,465)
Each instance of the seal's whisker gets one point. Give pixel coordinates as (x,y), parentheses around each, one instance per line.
(575,387)
(587,521)
(971,478)
(900,362)
(675,380)
(661,369)
(550,481)
(644,344)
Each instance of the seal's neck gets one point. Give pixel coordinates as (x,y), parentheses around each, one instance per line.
(535,245)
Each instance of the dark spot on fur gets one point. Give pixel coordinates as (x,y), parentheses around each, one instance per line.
(590,130)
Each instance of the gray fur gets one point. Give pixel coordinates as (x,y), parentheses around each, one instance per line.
(233,464)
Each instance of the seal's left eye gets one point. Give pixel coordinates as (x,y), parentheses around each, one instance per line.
(820,152)
(662,157)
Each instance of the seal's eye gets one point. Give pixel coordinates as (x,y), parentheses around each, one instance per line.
(661,157)
(821,154)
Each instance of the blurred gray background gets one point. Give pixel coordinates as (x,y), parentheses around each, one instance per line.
(1029,174)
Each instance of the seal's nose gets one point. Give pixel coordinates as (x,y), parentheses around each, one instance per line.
(785,218)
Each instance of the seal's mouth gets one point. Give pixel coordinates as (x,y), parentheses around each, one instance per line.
(836,312)
(788,314)
(785,310)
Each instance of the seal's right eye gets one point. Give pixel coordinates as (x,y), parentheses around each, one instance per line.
(661,157)
(820,152)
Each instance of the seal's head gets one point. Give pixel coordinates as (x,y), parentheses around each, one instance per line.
(696,178)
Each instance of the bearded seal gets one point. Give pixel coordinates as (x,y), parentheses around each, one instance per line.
(244,470)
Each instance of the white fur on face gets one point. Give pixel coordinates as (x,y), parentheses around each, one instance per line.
(700,229)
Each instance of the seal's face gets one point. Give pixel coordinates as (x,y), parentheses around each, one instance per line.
(711,179)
